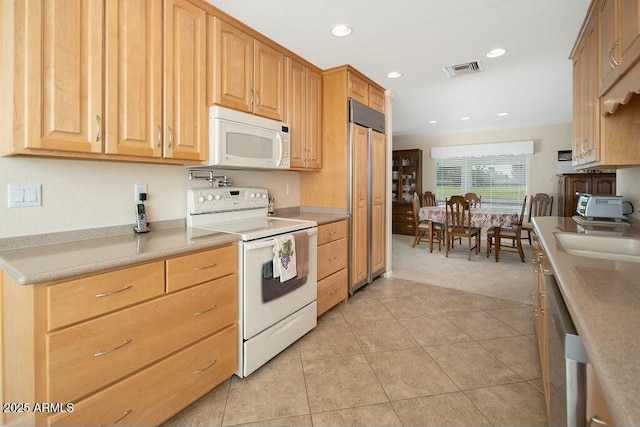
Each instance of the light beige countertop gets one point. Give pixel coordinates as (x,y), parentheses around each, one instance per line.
(603,298)
(319,215)
(56,261)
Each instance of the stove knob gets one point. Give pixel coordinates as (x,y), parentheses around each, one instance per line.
(200,199)
(252,195)
(264,195)
(217,197)
(209,197)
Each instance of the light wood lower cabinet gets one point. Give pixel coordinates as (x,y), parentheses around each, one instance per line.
(333,285)
(540,309)
(122,346)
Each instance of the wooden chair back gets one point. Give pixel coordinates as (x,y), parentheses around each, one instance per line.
(429,199)
(416,210)
(457,216)
(473,199)
(540,205)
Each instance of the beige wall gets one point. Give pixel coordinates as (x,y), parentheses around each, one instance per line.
(627,186)
(547,141)
(79,194)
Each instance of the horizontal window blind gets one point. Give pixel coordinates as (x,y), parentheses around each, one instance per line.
(501,180)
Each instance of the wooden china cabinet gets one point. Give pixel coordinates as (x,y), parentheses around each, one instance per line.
(571,184)
(406,180)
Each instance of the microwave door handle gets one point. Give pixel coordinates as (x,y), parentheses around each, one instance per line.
(280,149)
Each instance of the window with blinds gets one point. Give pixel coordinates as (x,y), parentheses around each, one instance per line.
(501,180)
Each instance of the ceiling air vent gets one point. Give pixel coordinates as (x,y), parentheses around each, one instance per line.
(462,69)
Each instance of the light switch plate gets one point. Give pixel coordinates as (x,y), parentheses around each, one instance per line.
(25,195)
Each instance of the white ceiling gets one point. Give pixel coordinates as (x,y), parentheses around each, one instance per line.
(533,81)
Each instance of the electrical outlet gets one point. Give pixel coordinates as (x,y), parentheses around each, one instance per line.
(139,188)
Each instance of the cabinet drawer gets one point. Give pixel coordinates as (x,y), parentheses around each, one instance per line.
(398,209)
(332,257)
(80,299)
(332,290)
(330,232)
(201,267)
(158,392)
(92,354)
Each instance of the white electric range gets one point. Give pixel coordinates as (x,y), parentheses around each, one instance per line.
(272,314)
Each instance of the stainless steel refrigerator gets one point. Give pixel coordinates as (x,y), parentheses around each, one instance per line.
(367,173)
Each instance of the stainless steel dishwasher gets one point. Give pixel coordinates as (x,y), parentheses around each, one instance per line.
(567,363)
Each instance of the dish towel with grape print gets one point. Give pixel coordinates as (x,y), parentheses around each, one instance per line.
(284,257)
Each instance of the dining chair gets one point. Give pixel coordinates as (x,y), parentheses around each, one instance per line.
(513,233)
(429,199)
(539,205)
(474,200)
(425,230)
(458,224)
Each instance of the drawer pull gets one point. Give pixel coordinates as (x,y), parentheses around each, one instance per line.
(198,313)
(108,294)
(333,258)
(205,267)
(205,368)
(102,353)
(597,421)
(331,233)
(122,417)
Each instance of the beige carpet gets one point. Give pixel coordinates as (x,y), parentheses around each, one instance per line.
(508,279)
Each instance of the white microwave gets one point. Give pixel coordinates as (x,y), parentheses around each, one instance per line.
(240,140)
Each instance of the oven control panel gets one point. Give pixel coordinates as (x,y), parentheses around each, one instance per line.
(211,199)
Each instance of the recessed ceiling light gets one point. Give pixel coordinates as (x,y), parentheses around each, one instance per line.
(494,53)
(341,30)
(503,114)
(465,118)
(433,122)
(394,74)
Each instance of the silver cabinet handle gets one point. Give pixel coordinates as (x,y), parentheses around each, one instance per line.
(198,313)
(108,294)
(257,98)
(159,136)
(103,352)
(170,136)
(97,128)
(331,233)
(205,368)
(333,258)
(613,53)
(121,418)
(251,97)
(205,267)
(598,421)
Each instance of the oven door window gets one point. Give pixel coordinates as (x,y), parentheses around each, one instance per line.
(267,300)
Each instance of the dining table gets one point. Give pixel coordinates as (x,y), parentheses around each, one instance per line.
(496,217)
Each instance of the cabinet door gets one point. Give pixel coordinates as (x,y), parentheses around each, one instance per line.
(359,203)
(232,68)
(133,81)
(604,186)
(378,179)
(295,89)
(579,185)
(358,89)
(63,84)
(629,11)
(313,118)
(590,101)
(608,43)
(268,99)
(185,81)
(376,99)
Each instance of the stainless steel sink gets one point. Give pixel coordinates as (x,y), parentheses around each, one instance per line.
(596,246)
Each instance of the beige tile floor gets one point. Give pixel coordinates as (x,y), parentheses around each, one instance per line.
(398,353)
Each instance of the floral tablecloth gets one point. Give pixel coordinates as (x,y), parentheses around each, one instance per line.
(480,217)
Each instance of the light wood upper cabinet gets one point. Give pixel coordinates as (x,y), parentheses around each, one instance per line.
(303,92)
(365,93)
(359,203)
(185,81)
(246,74)
(133,80)
(60,72)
